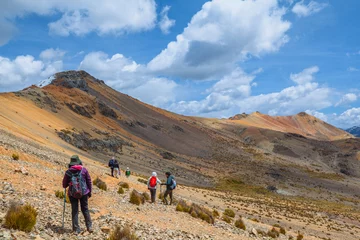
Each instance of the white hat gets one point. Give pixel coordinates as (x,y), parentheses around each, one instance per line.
(154,174)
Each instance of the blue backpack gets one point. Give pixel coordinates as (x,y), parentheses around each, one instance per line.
(77,185)
(173,185)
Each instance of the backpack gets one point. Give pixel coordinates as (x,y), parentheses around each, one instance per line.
(77,185)
(111,163)
(173,185)
(153,182)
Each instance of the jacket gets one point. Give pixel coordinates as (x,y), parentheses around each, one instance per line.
(169,182)
(157,181)
(85,175)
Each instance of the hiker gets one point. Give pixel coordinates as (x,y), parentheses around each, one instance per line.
(116,169)
(127,173)
(78,180)
(170,186)
(152,183)
(111,165)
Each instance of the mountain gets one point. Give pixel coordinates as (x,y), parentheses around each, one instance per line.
(79,112)
(295,171)
(354,131)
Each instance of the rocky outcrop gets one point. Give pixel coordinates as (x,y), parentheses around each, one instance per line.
(106,110)
(85,110)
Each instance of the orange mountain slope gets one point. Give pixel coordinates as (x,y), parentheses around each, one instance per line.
(302,123)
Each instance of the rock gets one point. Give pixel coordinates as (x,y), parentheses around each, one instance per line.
(105,229)
(253,231)
(42,188)
(37,237)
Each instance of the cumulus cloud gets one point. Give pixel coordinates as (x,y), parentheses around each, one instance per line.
(303,10)
(165,23)
(349,118)
(82,16)
(232,95)
(52,54)
(352,69)
(127,76)
(222,33)
(305,76)
(317,114)
(347,98)
(26,70)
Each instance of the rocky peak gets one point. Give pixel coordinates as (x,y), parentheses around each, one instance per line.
(74,79)
(239,116)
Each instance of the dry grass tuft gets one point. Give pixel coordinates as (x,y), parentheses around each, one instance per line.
(100,184)
(122,233)
(146,196)
(216,214)
(136,198)
(195,211)
(240,224)
(230,213)
(15,156)
(299,237)
(226,218)
(60,194)
(21,218)
(120,190)
(124,185)
(273,233)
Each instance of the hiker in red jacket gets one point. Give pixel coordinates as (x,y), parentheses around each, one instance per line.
(152,183)
(77,178)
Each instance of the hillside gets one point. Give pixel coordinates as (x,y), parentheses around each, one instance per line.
(244,162)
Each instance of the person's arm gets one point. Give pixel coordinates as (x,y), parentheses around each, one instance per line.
(159,181)
(65,181)
(148,183)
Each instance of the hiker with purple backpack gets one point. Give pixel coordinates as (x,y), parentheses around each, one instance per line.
(77,178)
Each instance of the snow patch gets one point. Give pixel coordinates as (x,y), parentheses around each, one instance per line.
(45,82)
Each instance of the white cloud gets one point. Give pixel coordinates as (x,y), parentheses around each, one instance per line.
(52,54)
(305,76)
(222,33)
(82,16)
(165,23)
(350,117)
(352,69)
(303,10)
(127,76)
(347,98)
(231,95)
(24,71)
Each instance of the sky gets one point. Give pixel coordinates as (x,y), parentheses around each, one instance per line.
(195,57)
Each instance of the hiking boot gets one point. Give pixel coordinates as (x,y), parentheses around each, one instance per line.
(77,231)
(90,230)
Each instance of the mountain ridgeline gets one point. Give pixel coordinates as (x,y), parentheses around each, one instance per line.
(83,114)
(354,131)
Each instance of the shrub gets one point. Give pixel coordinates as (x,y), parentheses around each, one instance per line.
(122,233)
(202,213)
(216,213)
(120,190)
(226,218)
(146,196)
(142,180)
(161,196)
(100,184)
(60,194)
(230,213)
(299,237)
(123,184)
(240,224)
(282,230)
(22,218)
(273,233)
(15,156)
(182,206)
(136,198)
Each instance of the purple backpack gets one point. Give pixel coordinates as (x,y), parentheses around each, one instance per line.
(77,185)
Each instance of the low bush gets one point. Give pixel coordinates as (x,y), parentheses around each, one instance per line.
(21,218)
(122,233)
(182,206)
(146,196)
(161,196)
(299,237)
(136,198)
(100,184)
(229,212)
(123,184)
(282,231)
(60,194)
(142,180)
(240,224)
(15,156)
(273,233)
(120,190)
(226,218)
(195,211)
(216,214)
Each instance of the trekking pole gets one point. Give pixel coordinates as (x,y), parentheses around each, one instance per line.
(63,217)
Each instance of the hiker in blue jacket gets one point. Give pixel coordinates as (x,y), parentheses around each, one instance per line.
(111,165)
(170,186)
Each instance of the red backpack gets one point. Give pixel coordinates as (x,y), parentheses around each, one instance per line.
(153,182)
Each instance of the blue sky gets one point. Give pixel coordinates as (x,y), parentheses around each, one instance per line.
(204,58)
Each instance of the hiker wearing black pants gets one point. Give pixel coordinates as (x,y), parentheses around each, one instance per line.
(170,186)
(77,178)
(152,183)
(111,165)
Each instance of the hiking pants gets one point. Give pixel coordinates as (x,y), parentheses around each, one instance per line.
(112,172)
(75,212)
(170,193)
(117,172)
(153,194)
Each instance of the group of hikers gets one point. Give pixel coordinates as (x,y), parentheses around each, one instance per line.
(78,179)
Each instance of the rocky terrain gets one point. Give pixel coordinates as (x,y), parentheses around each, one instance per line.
(296,172)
